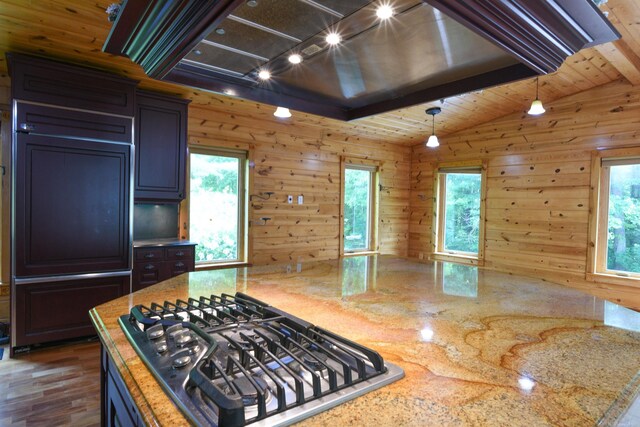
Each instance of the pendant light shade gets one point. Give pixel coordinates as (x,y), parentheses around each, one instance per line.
(433,142)
(536,106)
(282,112)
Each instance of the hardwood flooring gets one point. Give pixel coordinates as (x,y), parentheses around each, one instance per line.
(56,386)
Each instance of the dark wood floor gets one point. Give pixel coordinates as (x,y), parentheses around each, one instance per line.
(57,386)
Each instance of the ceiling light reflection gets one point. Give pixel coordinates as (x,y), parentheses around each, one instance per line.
(426,334)
(526,384)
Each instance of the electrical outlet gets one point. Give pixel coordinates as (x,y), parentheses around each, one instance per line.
(289,198)
(300,199)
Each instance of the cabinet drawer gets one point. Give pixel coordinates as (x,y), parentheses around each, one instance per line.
(179,267)
(149,254)
(148,271)
(182,252)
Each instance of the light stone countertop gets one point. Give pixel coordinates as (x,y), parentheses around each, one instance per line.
(478,348)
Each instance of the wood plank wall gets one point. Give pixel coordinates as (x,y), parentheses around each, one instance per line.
(538,183)
(300,156)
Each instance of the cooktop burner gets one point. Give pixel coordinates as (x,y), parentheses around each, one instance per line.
(234,360)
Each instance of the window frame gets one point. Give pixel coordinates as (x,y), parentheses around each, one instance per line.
(374,167)
(243,190)
(597,270)
(439,253)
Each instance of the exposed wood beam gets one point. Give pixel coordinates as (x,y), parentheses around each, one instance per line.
(620,55)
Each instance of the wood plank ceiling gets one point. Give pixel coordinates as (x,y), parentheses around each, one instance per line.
(75,30)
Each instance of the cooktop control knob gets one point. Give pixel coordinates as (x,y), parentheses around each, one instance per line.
(181,359)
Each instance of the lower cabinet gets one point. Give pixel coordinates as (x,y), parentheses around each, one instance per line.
(52,311)
(155,264)
(117,405)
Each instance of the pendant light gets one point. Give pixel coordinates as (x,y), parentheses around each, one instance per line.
(432,142)
(282,112)
(536,106)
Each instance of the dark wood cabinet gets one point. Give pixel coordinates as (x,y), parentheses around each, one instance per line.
(161,147)
(118,408)
(72,206)
(155,264)
(57,310)
(50,82)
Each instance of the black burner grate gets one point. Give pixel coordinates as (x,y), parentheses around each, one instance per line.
(234,360)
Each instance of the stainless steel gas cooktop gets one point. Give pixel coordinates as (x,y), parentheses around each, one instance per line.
(234,360)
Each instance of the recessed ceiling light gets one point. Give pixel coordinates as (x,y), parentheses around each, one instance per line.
(333,38)
(295,58)
(264,75)
(197,52)
(252,3)
(384,11)
(220,31)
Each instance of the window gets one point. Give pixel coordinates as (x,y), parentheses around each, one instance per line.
(616,227)
(459,225)
(359,207)
(217,205)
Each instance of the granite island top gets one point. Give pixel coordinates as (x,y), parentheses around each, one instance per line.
(477,347)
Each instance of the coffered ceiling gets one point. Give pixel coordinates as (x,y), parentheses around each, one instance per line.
(75,31)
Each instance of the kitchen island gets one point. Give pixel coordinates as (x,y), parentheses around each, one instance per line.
(477,347)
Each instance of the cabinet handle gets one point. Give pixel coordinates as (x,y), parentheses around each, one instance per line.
(149,256)
(179,264)
(180,253)
(149,267)
(27,127)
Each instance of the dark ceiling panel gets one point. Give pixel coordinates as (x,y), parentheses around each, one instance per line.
(249,39)
(370,67)
(343,7)
(292,17)
(223,59)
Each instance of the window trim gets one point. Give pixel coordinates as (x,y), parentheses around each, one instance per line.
(243,214)
(374,166)
(596,270)
(437,229)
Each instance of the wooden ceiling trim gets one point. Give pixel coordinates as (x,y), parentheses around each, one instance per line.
(623,59)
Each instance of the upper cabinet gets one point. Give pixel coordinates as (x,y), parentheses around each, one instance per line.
(161,147)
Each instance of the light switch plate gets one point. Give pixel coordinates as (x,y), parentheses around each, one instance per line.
(289,198)
(300,199)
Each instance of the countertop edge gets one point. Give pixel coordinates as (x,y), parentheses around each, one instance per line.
(159,243)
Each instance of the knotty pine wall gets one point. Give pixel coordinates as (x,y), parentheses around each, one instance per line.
(301,156)
(538,184)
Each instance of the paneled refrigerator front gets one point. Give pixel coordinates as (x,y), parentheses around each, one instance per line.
(72,197)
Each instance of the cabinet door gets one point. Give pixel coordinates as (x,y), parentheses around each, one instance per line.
(161,146)
(72,206)
(60,310)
